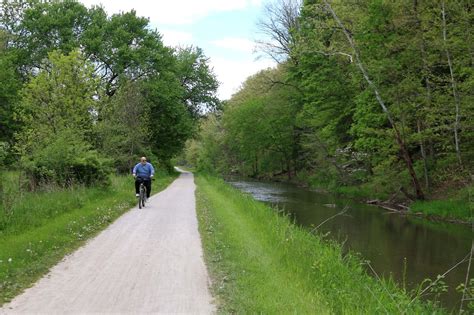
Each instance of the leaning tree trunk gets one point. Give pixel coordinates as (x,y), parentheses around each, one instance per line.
(453,86)
(400,142)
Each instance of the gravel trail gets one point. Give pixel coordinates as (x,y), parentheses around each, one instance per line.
(148,261)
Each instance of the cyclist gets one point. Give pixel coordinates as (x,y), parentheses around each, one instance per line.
(143,172)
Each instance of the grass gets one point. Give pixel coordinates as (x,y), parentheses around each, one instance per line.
(38,229)
(262,263)
(451,209)
(458,206)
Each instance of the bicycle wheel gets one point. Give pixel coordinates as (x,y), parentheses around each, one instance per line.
(140,198)
(142,195)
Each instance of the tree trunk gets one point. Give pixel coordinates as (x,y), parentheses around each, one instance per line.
(453,86)
(288,166)
(423,155)
(400,142)
(425,75)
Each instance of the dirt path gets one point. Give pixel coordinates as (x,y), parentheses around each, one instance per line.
(148,261)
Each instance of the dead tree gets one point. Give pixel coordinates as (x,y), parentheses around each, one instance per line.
(453,86)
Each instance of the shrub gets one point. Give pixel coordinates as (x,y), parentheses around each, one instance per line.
(66,160)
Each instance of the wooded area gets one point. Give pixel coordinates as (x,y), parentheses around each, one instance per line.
(373,94)
(83,93)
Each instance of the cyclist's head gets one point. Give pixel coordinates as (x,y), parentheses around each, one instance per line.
(143,160)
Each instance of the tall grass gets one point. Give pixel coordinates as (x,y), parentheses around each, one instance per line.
(460,206)
(37,229)
(262,263)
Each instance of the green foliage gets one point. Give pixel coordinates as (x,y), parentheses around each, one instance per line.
(56,112)
(315,115)
(124,128)
(60,97)
(256,132)
(171,123)
(131,96)
(66,160)
(8,90)
(198,81)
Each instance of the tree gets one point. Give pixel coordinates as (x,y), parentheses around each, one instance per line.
(124,130)
(121,47)
(279,25)
(57,115)
(198,81)
(8,90)
(171,123)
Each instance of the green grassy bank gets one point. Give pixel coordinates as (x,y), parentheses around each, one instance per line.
(458,206)
(450,204)
(262,263)
(38,229)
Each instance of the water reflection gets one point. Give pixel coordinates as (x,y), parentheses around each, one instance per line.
(388,240)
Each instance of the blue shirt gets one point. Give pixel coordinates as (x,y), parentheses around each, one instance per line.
(144,171)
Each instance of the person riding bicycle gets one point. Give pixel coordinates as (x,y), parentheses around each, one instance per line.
(143,172)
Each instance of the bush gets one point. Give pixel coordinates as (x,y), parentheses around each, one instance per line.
(65,161)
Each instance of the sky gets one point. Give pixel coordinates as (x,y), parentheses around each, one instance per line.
(224,29)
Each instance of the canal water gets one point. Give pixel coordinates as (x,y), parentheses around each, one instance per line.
(390,241)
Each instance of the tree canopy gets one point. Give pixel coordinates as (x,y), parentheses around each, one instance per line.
(108,82)
(367,93)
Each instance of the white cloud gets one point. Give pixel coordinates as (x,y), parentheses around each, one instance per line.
(173,12)
(175,38)
(232,73)
(235,43)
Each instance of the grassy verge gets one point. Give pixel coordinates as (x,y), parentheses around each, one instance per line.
(262,263)
(38,229)
(459,207)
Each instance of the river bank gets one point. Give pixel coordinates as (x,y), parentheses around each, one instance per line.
(37,229)
(455,205)
(262,263)
(406,248)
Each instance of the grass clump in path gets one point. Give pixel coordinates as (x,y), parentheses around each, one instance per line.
(38,229)
(262,263)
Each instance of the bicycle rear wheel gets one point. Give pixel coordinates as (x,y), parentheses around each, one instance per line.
(140,199)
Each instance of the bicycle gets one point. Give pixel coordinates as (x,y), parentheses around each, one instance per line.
(142,194)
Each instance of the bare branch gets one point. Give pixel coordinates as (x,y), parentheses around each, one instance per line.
(467,278)
(439,278)
(346,208)
(278,27)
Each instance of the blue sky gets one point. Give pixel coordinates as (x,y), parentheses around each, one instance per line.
(224,29)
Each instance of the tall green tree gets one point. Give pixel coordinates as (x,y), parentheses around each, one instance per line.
(198,81)
(57,112)
(124,130)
